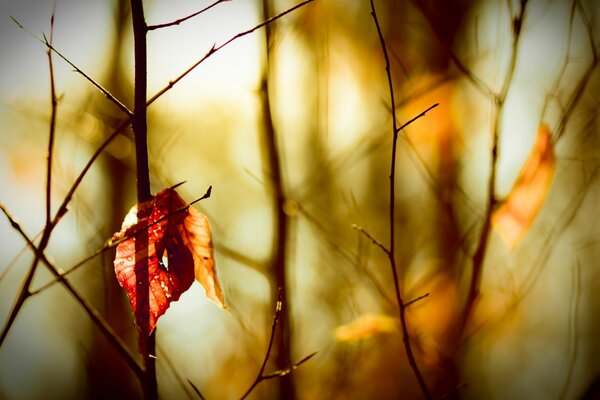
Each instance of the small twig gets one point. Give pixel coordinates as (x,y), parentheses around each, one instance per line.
(261,376)
(180,20)
(395,130)
(104,91)
(413,301)
(371,238)
(422,114)
(283,372)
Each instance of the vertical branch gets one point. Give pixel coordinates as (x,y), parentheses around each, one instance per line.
(395,131)
(24,290)
(482,245)
(280,223)
(140,130)
(53,102)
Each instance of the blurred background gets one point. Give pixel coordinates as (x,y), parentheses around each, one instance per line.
(291,125)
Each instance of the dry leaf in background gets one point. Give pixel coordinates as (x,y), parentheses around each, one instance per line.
(514,217)
(365,327)
(179,248)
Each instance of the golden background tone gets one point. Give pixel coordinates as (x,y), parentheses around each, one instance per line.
(496,239)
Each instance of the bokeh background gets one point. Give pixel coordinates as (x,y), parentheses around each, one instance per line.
(316,84)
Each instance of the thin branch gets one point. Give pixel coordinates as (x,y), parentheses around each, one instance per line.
(443,38)
(291,368)
(416,299)
(401,307)
(54,107)
(104,91)
(261,376)
(573,335)
(196,390)
(64,206)
(583,82)
(422,114)
(180,20)
(112,337)
(215,48)
(371,238)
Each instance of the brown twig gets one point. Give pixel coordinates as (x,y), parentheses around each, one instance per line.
(180,20)
(371,238)
(51,47)
(416,299)
(395,130)
(261,376)
(51,135)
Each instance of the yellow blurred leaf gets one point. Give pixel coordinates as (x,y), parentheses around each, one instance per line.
(366,326)
(514,217)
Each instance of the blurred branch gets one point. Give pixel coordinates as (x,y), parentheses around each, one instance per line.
(442,37)
(280,246)
(180,20)
(335,247)
(478,258)
(241,258)
(401,306)
(573,335)
(49,45)
(585,78)
(196,390)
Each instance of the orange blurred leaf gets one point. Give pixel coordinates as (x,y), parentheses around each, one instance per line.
(514,217)
(178,247)
(365,327)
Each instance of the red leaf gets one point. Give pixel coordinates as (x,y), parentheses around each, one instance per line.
(176,248)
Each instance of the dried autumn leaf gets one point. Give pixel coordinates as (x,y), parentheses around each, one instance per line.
(365,327)
(514,217)
(173,241)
